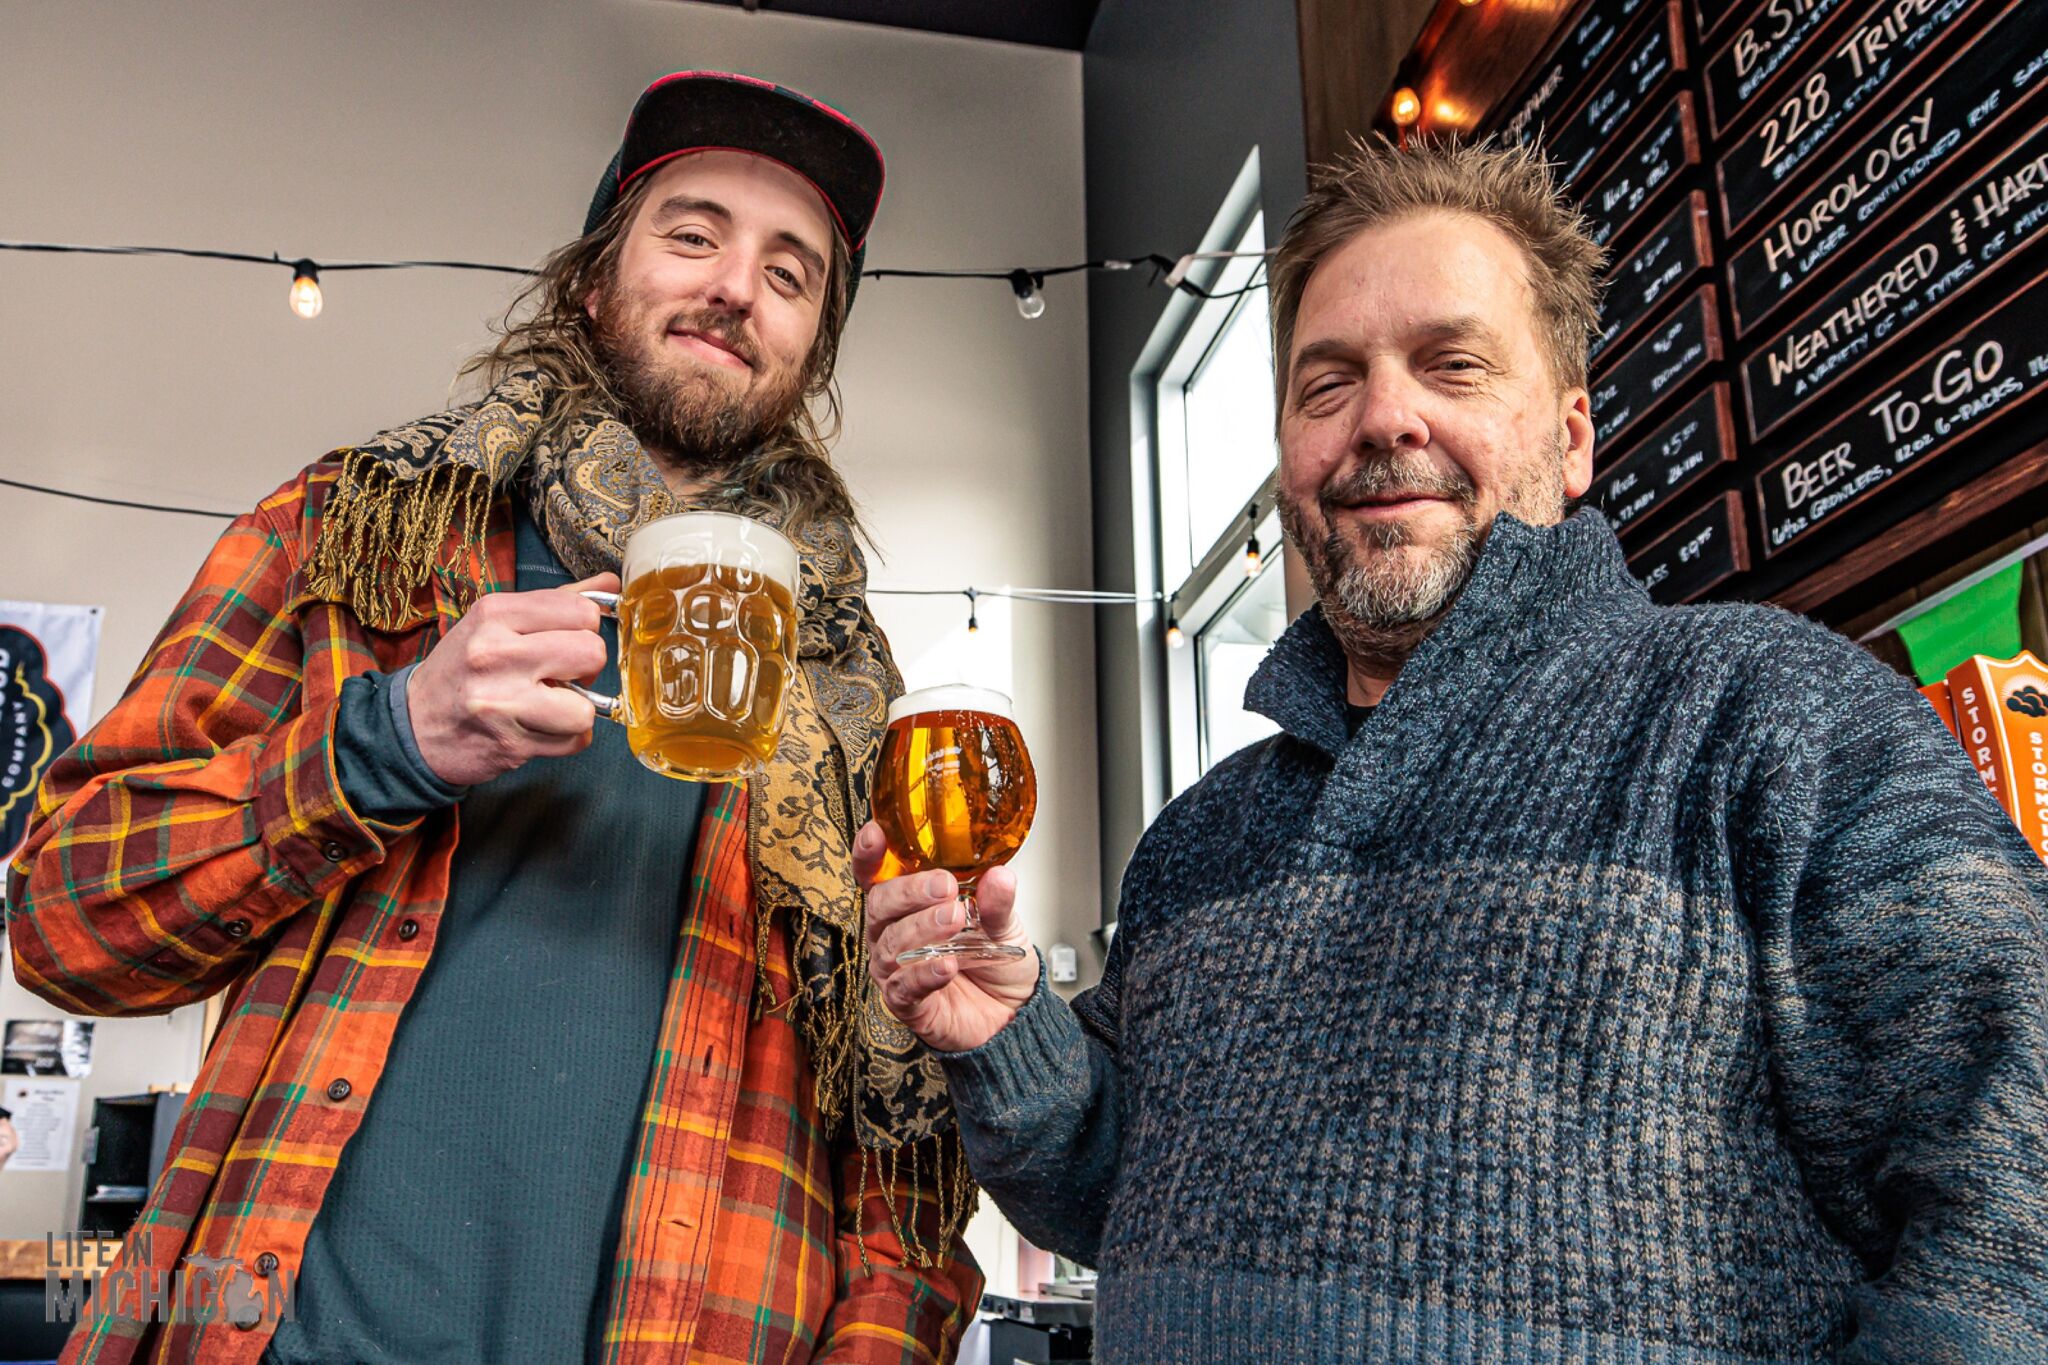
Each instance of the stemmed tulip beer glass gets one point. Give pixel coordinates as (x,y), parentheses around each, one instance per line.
(955,791)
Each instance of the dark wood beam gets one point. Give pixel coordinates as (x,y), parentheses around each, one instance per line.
(1349,53)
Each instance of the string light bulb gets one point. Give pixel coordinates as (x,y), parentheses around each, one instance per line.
(1025,285)
(1468,4)
(973,621)
(1407,107)
(305,295)
(1175,637)
(1252,560)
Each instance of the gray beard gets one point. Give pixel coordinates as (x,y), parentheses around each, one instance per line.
(1379,605)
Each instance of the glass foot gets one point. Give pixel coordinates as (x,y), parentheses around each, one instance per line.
(971,943)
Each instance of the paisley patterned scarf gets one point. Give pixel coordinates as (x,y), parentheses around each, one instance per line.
(381,538)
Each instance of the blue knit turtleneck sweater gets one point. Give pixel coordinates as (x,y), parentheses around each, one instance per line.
(1637,984)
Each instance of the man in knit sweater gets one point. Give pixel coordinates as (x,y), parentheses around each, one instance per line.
(1570,978)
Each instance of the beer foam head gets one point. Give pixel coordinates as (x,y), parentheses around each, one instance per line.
(721,538)
(955,698)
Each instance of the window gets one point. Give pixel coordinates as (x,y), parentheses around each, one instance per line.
(1203,418)
(1226,407)
(1227,652)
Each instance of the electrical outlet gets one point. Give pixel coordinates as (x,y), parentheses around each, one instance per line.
(1061,964)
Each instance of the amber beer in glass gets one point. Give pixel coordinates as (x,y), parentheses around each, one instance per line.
(955,790)
(707,644)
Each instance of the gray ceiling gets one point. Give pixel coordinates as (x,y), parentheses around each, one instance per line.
(1044,23)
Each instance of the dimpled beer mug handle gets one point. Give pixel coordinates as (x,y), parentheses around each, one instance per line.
(707,645)
(608,708)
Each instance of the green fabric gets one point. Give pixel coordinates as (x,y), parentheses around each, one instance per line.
(1983,620)
(474,1215)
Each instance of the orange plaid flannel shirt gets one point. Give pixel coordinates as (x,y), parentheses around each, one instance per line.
(197,840)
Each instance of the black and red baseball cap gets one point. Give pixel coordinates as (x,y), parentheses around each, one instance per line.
(695,111)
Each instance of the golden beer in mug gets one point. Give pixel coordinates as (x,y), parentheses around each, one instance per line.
(955,790)
(707,644)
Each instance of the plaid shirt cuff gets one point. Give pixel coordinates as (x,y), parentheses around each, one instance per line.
(316,838)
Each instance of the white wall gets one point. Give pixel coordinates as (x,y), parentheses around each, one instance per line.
(476,129)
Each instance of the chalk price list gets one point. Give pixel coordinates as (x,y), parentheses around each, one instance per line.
(1987,370)
(1966,238)
(1971,94)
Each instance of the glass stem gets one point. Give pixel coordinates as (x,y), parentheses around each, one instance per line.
(973,925)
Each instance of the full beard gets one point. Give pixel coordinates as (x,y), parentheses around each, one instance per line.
(1381,603)
(683,413)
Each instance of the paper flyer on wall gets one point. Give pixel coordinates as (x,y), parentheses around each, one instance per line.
(45,1115)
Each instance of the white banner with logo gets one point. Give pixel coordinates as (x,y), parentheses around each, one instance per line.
(47,656)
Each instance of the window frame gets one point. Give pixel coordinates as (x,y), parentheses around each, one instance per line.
(1194,595)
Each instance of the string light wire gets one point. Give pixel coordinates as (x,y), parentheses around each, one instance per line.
(1025,282)
(1171,271)
(1057,596)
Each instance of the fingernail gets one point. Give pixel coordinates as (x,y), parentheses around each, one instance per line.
(949,914)
(936,885)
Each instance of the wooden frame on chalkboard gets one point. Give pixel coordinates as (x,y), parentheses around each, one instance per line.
(1941,257)
(1649,404)
(1728,513)
(1664,498)
(1692,206)
(1787,14)
(1600,198)
(1711,26)
(1605,130)
(1553,74)
(1945,530)
(1834,463)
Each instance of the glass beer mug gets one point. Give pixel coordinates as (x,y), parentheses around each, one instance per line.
(707,644)
(955,790)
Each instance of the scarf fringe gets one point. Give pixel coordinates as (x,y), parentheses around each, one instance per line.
(953,1190)
(381,537)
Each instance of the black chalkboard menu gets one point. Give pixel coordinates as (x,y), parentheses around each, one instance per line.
(1972,97)
(1770,42)
(1577,55)
(1827,233)
(1660,468)
(1698,555)
(1664,362)
(1929,268)
(1650,59)
(1656,161)
(1994,364)
(1863,72)
(1676,250)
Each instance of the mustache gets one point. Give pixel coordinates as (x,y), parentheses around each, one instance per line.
(722,328)
(1396,477)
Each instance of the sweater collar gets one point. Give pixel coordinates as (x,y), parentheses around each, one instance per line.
(1530,582)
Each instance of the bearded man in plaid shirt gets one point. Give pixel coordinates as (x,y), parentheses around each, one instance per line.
(529,1054)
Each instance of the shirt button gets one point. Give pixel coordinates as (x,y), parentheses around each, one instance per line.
(167,958)
(237,928)
(337,1090)
(409,930)
(333,851)
(266,1263)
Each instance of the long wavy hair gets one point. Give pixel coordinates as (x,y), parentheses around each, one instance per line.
(788,478)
